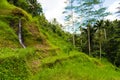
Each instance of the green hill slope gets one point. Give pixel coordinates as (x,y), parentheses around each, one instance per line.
(9,19)
(78,67)
(30,64)
(48,54)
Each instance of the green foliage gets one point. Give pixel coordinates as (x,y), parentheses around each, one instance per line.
(8,36)
(55,36)
(113,41)
(13,64)
(13,68)
(21,13)
(104,40)
(32,7)
(5,5)
(77,67)
(85,10)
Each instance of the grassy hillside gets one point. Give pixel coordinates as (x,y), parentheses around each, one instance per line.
(9,20)
(7,35)
(30,64)
(48,56)
(78,67)
(5,7)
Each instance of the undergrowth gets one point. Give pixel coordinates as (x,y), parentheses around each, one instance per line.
(78,68)
(13,63)
(7,36)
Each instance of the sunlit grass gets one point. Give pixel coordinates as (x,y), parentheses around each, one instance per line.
(78,69)
(13,63)
(5,7)
(7,35)
(8,52)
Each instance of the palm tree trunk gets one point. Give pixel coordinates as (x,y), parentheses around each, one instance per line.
(81,42)
(100,42)
(74,40)
(89,46)
(100,49)
(105,34)
(73,24)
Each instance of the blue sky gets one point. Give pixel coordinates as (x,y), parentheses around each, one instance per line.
(54,9)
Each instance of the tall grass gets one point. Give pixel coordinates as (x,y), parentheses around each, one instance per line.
(79,68)
(7,36)
(72,66)
(13,64)
(56,41)
(17,53)
(5,7)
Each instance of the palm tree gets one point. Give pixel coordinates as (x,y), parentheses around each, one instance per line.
(89,45)
(69,19)
(100,33)
(87,38)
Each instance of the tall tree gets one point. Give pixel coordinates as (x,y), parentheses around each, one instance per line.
(69,17)
(89,14)
(34,7)
(99,35)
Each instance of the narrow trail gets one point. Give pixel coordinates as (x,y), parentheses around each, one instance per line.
(20,34)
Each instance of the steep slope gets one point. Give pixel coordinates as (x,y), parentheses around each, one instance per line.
(9,19)
(77,66)
(48,54)
(7,35)
(29,64)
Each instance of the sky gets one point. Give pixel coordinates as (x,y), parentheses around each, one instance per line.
(54,8)
(112,7)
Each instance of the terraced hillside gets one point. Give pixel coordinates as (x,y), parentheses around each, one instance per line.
(48,55)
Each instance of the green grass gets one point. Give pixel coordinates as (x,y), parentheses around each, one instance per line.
(80,67)
(17,53)
(62,57)
(9,9)
(19,64)
(9,24)
(13,63)
(4,4)
(5,7)
(55,40)
(8,38)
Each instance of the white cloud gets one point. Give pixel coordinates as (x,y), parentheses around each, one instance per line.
(53,9)
(113,8)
